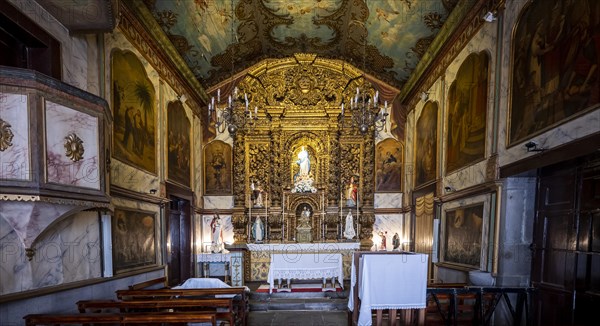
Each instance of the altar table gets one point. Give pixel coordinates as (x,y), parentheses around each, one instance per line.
(387,281)
(205,259)
(305,266)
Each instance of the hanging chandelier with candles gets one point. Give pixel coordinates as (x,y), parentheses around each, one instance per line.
(235,114)
(365,109)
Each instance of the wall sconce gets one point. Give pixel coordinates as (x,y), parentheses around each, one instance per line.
(424,96)
(532,146)
(449,189)
(489,16)
(152,191)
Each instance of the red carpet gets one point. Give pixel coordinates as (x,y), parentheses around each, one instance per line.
(303,287)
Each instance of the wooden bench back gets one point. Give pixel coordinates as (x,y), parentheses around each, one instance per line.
(120,318)
(197,304)
(133,294)
(161,281)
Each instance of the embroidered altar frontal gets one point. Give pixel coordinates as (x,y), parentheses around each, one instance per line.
(260,255)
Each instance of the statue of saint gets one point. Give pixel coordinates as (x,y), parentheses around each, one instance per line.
(257,194)
(217,235)
(258,230)
(351,193)
(349,232)
(304,220)
(303,163)
(396,241)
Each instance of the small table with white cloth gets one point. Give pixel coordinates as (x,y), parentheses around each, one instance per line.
(386,280)
(205,259)
(305,266)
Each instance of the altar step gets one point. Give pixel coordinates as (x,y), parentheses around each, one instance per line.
(299,301)
(299,304)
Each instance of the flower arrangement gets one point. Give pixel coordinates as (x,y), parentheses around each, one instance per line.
(304,184)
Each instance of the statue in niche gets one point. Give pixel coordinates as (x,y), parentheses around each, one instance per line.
(349,232)
(257,194)
(303,180)
(304,220)
(258,229)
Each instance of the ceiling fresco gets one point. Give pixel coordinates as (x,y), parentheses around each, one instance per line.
(385,37)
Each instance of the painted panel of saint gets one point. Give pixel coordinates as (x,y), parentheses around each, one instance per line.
(426,144)
(178,142)
(555,72)
(134,112)
(133,239)
(217,168)
(388,160)
(464,227)
(467,107)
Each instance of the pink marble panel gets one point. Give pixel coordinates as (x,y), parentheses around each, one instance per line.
(62,121)
(14,159)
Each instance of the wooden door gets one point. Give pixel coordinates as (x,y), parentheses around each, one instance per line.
(566,243)
(178,228)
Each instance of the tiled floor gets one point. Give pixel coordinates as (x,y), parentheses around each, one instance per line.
(297,318)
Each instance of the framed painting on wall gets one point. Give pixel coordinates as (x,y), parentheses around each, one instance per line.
(133,239)
(217,168)
(426,144)
(388,166)
(555,60)
(134,112)
(467,107)
(178,141)
(464,234)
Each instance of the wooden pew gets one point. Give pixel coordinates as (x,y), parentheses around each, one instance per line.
(161,281)
(120,318)
(205,305)
(239,296)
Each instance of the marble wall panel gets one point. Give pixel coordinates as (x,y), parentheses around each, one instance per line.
(15,160)
(389,225)
(66,252)
(388,200)
(63,122)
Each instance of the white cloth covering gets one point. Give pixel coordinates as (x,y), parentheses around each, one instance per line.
(206,283)
(389,281)
(305,266)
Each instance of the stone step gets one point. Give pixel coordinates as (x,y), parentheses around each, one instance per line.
(299,304)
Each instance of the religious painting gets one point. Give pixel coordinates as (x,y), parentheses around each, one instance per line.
(388,165)
(217,168)
(178,143)
(134,112)
(133,239)
(463,235)
(555,73)
(467,107)
(426,144)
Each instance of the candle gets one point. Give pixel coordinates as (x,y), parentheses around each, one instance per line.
(256,110)
(219,95)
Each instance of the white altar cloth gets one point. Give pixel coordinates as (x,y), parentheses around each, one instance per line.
(389,282)
(305,266)
(310,247)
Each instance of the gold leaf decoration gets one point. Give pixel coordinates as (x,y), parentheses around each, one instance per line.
(6,135)
(74,147)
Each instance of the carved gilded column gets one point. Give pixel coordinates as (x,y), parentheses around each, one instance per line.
(334,184)
(276,168)
(239,175)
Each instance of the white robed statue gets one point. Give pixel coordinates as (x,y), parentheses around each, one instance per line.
(218,246)
(258,230)
(349,232)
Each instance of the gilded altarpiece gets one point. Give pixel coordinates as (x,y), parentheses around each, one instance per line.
(298,158)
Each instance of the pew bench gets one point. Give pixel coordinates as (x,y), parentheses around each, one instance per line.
(205,305)
(237,294)
(160,282)
(120,318)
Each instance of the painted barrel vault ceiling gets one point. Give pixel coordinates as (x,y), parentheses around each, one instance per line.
(397,33)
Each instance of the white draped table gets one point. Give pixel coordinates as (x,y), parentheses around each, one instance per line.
(305,266)
(206,258)
(388,281)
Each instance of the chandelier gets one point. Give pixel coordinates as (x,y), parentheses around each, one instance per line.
(235,114)
(365,109)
